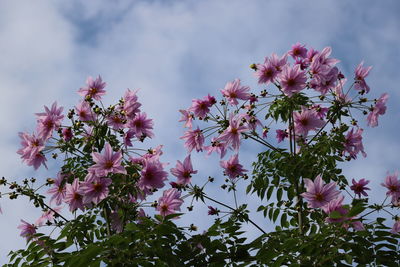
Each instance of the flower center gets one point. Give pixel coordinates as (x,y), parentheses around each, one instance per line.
(108,164)
(291,82)
(268,73)
(49,124)
(164,207)
(232,168)
(92,91)
(393,188)
(77,196)
(304,122)
(138,124)
(117,119)
(319,197)
(97,187)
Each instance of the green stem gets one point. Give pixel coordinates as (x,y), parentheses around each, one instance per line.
(226,206)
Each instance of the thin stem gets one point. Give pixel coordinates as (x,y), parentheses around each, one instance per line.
(226,206)
(107,222)
(265,143)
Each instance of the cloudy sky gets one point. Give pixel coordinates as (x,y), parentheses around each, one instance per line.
(175,51)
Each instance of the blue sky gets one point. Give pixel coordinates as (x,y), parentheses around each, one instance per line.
(175,51)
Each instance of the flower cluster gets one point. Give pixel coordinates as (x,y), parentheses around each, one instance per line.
(309,80)
(309,97)
(101,169)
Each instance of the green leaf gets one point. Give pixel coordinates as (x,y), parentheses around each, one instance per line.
(269,192)
(335,215)
(276,214)
(284,219)
(355,210)
(279,193)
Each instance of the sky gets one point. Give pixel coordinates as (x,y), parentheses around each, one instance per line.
(175,51)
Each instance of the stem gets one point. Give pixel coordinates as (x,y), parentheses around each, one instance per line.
(299,203)
(107,222)
(226,206)
(261,142)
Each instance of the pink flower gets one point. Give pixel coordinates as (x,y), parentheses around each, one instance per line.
(106,163)
(116,121)
(396,227)
(31,145)
(298,50)
(357,225)
(325,81)
(27,230)
(321,111)
(360,187)
(31,151)
(336,205)
(323,57)
(58,190)
(251,122)
(127,138)
(152,176)
(311,53)
(37,160)
(141,126)
(84,111)
(49,121)
(318,193)
(67,134)
(183,171)
(232,134)
(154,153)
(53,111)
(305,121)
(169,202)
(360,74)
(116,222)
(302,62)
(95,189)
(379,109)
(339,95)
(131,105)
(47,216)
(216,146)
(234,91)
(266,72)
(277,62)
(293,80)
(74,196)
(353,143)
(200,107)
(232,167)
(281,135)
(187,117)
(392,183)
(93,89)
(194,140)
(212,211)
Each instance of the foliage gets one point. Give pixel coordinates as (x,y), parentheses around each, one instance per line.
(107,182)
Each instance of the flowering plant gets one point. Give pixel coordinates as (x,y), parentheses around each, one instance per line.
(107,181)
